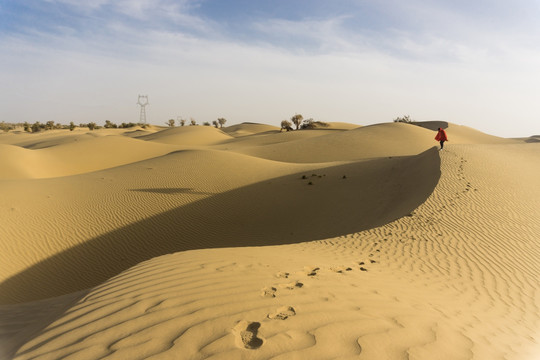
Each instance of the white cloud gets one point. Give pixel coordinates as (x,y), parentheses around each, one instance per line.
(83,5)
(366,76)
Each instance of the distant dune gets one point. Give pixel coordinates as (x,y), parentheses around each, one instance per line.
(250,243)
(188,136)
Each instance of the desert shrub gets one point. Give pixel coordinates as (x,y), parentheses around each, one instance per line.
(206,123)
(91,125)
(297,120)
(71,126)
(192,122)
(312,124)
(215,123)
(182,122)
(170,123)
(27,127)
(37,126)
(5,127)
(286,124)
(404,119)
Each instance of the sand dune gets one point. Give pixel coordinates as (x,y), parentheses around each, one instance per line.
(21,163)
(47,138)
(188,136)
(65,158)
(224,249)
(533,139)
(188,200)
(380,140)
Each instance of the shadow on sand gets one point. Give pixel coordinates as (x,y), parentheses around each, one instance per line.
(432,125)
(278,211)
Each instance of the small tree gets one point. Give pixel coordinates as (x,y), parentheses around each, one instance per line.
(221,122)
(26,126)
(287,125)
(109,125)
(297,120)
(91,125)
(182,122)
(206,123)
(215,123)
(192,122)
(71,126)
(170,123)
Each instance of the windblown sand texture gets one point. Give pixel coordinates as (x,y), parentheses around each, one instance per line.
(343,242)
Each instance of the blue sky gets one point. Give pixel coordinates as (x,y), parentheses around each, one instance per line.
(473,63)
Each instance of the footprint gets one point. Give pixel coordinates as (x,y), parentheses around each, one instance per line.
(311,271)
(246,334)
(268,291)
(291,285)
(340,269)
(282,313)
(282,274)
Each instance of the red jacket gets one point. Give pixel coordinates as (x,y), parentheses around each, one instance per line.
(441,136)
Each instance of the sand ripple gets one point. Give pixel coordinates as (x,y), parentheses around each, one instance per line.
(455,276)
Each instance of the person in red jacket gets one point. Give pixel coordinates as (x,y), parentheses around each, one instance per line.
(441,137)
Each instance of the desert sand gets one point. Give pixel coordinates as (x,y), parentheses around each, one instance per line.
(245,242)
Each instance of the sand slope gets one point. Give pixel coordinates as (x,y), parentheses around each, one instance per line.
(390,262)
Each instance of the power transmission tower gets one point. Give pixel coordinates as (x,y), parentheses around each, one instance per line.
(142,101)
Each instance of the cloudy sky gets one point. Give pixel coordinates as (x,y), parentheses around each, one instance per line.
(474,63)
